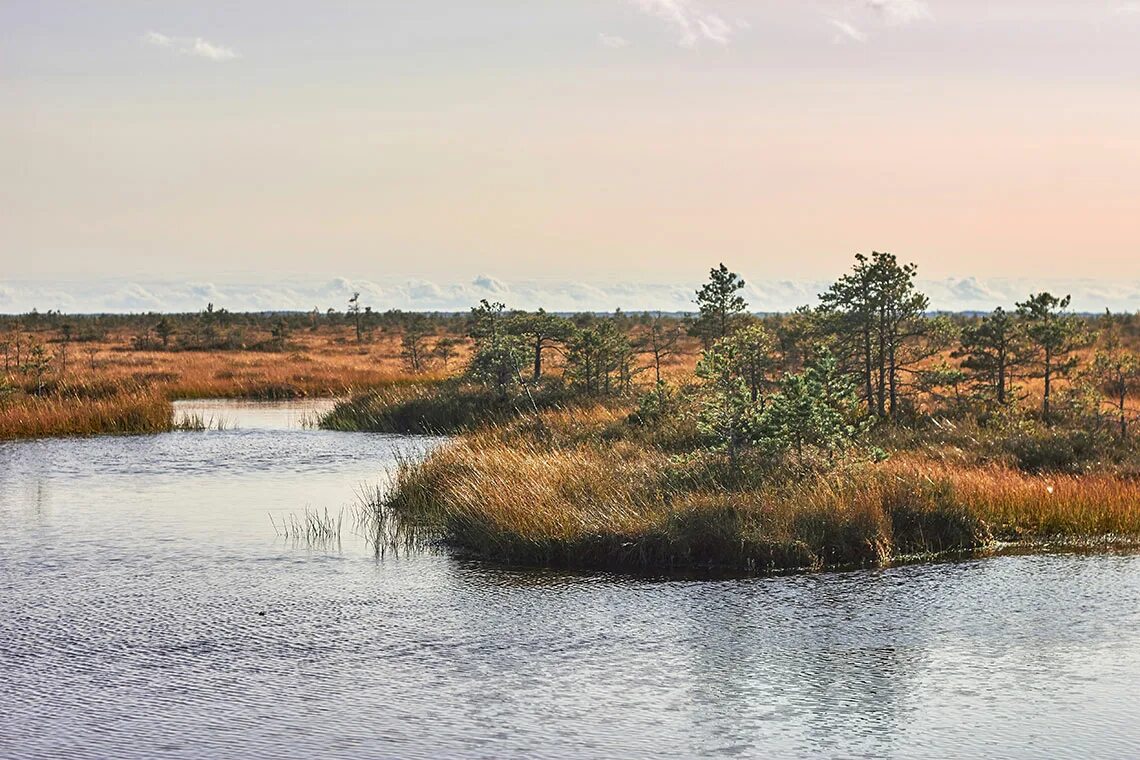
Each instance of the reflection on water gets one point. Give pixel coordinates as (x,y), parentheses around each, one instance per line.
(148,610)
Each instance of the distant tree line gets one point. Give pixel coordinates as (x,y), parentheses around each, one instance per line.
(868,352)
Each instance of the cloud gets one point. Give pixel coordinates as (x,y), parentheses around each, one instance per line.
(1127,9)
(846,32)
(490,284)
(425,290)
(612,41)
(765,295)
(692,25)
(161,40)
(970,291)
(204,49)
(900,11)
(195,46)
(715,28)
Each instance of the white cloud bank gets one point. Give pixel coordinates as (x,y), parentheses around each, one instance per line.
(949,294)
(194,46)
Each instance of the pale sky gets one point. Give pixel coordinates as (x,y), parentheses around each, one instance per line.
(567,141)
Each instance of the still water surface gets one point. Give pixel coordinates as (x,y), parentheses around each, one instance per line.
(147,609)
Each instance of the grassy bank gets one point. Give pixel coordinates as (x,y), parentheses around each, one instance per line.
(87,410)
(110,386)
(440,407)
(582,494)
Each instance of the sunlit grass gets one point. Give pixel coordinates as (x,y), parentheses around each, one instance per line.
(107,389)
(571,498)
(124,410)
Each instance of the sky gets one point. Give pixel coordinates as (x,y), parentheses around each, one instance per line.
(584,153)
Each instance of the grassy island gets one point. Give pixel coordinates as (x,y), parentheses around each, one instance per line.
(862,431)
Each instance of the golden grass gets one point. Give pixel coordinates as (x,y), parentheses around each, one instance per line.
(321,364)
(139,410)
(1017,505)
(625,505)
(108,387)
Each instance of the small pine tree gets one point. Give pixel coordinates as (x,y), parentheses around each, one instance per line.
(413,343)
(1116,373)
(1053,335)
(164,329)
(280,333)
(727,413)
(659,342)
(752,357)
(36,364)
(991,351)
(446,349)
(720,304)
(498,355)
(814,410)
(354,313)
(543,331)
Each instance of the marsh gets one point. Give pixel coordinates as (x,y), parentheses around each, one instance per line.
(150,610)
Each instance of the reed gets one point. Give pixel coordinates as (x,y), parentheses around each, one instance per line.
(193,422)
(312,526)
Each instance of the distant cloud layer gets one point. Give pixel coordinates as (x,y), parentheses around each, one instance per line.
(194,46)
(950,294)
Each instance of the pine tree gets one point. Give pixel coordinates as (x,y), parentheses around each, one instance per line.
(720,304)
(659,342)
(991,351)
(1053,335)
(876,316)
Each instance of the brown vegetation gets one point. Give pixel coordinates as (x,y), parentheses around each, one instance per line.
(857,432)
(109,386)
(582,495)
(75,412)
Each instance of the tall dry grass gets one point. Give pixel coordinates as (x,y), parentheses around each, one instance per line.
(316,365)
(108,388)
(1018,505)
(624,505)
(127,410)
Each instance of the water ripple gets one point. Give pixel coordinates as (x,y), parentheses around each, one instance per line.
(147,611)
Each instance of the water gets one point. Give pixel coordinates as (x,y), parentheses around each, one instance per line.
(148,610)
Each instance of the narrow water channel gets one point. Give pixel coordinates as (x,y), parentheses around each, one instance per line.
(149,610)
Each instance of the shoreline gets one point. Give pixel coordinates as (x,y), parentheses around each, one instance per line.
(1093,545)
